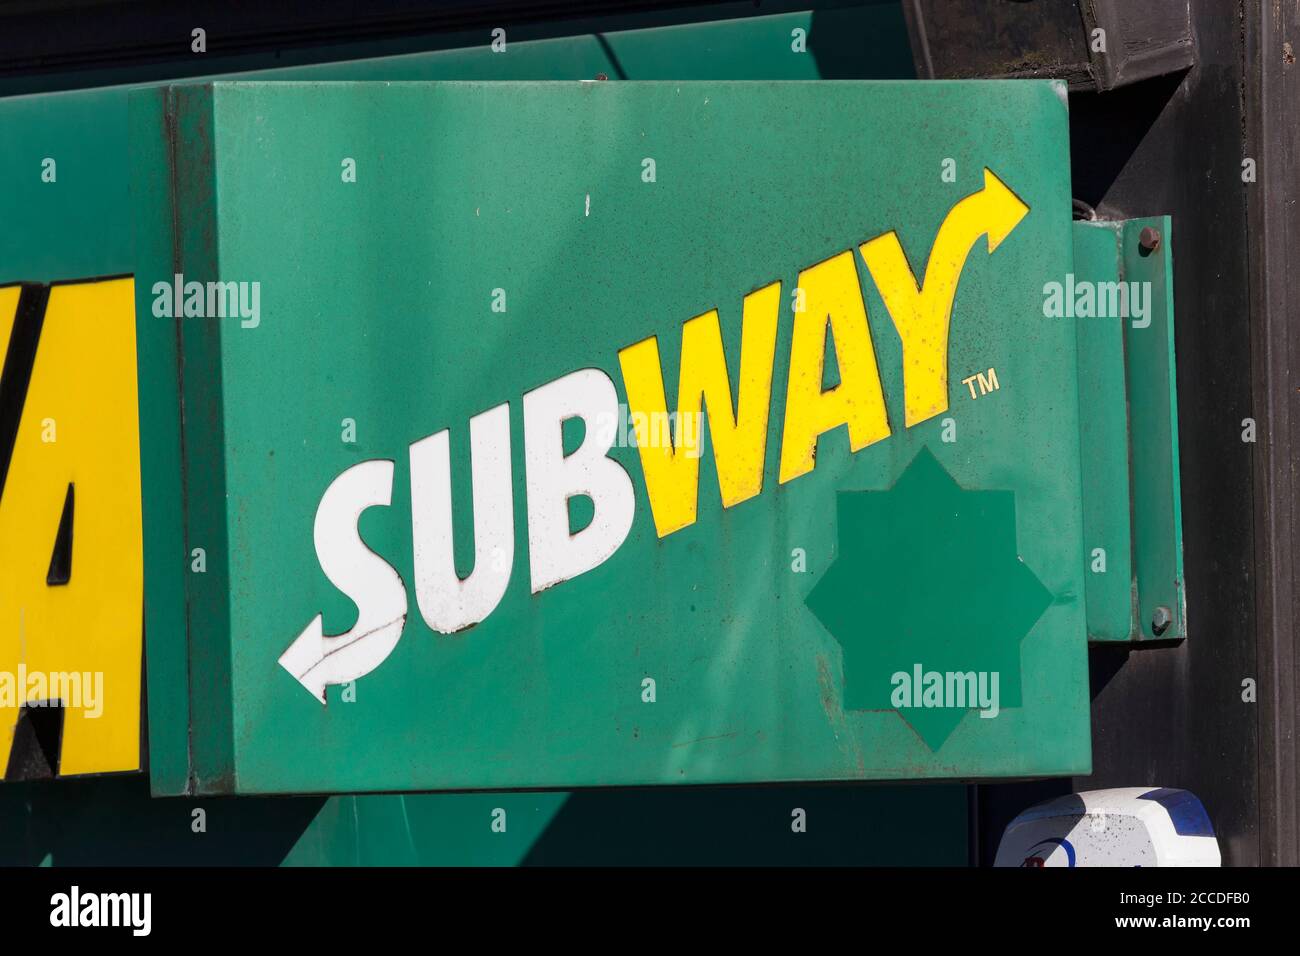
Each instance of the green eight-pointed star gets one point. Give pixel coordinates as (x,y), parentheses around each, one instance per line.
(927,579)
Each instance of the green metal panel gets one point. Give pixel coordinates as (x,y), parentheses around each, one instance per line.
(79,225)
(166,654)
(1104,441)
(1153,414)
(1129,432)
(368,288)
(83,226)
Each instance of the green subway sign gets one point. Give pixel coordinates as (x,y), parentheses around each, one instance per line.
(519,435)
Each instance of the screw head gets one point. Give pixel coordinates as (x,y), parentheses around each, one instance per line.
(1161,620)
(1149,239)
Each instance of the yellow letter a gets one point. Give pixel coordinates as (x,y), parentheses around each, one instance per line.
(832,294)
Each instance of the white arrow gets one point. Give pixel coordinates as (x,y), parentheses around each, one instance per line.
(315,659)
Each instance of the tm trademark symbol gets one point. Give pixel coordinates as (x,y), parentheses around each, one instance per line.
(988,382)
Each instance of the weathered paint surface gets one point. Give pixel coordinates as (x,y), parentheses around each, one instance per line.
(464,189)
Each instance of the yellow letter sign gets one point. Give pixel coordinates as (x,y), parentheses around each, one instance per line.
(71,622)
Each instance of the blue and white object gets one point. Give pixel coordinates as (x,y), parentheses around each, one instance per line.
(1129,826)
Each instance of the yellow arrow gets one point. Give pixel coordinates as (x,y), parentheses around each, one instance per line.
(922,313)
